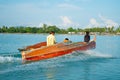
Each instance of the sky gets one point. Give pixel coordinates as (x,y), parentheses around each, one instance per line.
(62,13)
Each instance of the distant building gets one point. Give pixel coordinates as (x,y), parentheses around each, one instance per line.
(118,33)
(81,33)
(71,32)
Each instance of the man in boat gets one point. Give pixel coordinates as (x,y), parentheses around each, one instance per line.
(66,40)
(51,39)
(87,37)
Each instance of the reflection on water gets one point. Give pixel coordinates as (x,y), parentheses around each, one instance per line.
(50,74)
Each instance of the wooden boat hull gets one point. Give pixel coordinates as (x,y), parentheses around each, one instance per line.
(56,50)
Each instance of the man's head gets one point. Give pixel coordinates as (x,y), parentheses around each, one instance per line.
(66,39)
(87,32)
(52,32)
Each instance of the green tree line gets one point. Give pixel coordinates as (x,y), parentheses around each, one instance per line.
(46,29)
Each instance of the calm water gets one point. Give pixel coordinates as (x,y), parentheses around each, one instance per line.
(102,63)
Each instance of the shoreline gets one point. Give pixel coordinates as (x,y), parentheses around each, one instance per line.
(109,34)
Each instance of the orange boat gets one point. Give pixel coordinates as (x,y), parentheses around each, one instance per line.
(33,53)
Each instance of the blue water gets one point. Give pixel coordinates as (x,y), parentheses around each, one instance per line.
(102,63)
